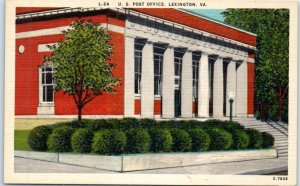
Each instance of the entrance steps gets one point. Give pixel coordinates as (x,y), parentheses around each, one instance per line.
(278,130)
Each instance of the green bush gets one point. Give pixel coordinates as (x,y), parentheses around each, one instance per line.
(100,142)
(256,139)
(60,139)
(220,139)
(181,140)
(37,139)
(109,142)
(147,123)
(117,142)
(81,140)
(138,141)
(200,139)
(161,140)
(240,138)
(129,123)
(268,140)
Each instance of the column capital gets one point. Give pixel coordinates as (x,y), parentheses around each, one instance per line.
(189,50)
(204,52)
(170,47)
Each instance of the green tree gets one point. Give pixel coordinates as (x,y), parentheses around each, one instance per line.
(80,63)
(272,57)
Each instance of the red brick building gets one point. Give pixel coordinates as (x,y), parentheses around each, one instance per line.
(171,63)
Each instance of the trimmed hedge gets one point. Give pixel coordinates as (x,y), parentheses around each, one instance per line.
(256,139)
(268,140)
(60,139)
(109,142)
(138,141)
(200,139)
(241,139)
(220,139)
(81,140)
(181,140)
(161,140)
(131,135)
(100,142)
(117,142)
(37,139)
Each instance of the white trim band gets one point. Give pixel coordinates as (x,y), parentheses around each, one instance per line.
(58,30)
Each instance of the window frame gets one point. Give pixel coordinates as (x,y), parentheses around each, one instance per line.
(138,71)
(159,74)
(195,66)
(42,84)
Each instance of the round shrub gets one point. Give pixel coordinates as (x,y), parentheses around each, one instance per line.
(256,139)
(200,139)
(81,140)
(138,141)
(161,140)
(100,142)
(240,138)
(220,139)
(37,139)
(117,142)
(181,140)
(60,139)
(268,140)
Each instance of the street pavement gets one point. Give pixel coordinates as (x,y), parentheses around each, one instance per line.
(253,167)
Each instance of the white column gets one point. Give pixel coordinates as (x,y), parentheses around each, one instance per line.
(147,81)
(129,77)
(168,84)
(203,87)
(187,85)
(231,87)
(218,88)
(242,90)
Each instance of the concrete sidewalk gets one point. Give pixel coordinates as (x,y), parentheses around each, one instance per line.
(253,167)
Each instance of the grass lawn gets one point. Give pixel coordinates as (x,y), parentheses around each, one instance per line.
(21,140)
(28,124)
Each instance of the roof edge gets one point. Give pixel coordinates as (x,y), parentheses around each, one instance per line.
(216,21)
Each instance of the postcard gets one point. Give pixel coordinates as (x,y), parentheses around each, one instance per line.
(151,92)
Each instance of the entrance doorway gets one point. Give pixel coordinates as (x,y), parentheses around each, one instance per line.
(177,103)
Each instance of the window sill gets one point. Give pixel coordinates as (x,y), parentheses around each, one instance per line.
(46,104)
(46,108)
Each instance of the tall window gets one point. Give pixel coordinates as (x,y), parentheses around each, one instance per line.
(47,83)
(195,77)
(158,62)
(137,67)
(178,66)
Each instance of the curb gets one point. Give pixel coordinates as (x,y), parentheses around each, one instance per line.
(135,162)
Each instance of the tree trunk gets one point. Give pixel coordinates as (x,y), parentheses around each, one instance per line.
(261,111)
(79,113)
(280,109)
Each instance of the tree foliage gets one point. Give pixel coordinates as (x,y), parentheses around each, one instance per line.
(272,57)
(81,64)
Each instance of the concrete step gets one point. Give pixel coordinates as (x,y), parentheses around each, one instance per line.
(280,143)
(283,155)
(282,151)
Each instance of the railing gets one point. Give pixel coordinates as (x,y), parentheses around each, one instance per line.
(282,129)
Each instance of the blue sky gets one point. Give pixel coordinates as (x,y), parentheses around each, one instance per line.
(211,13)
